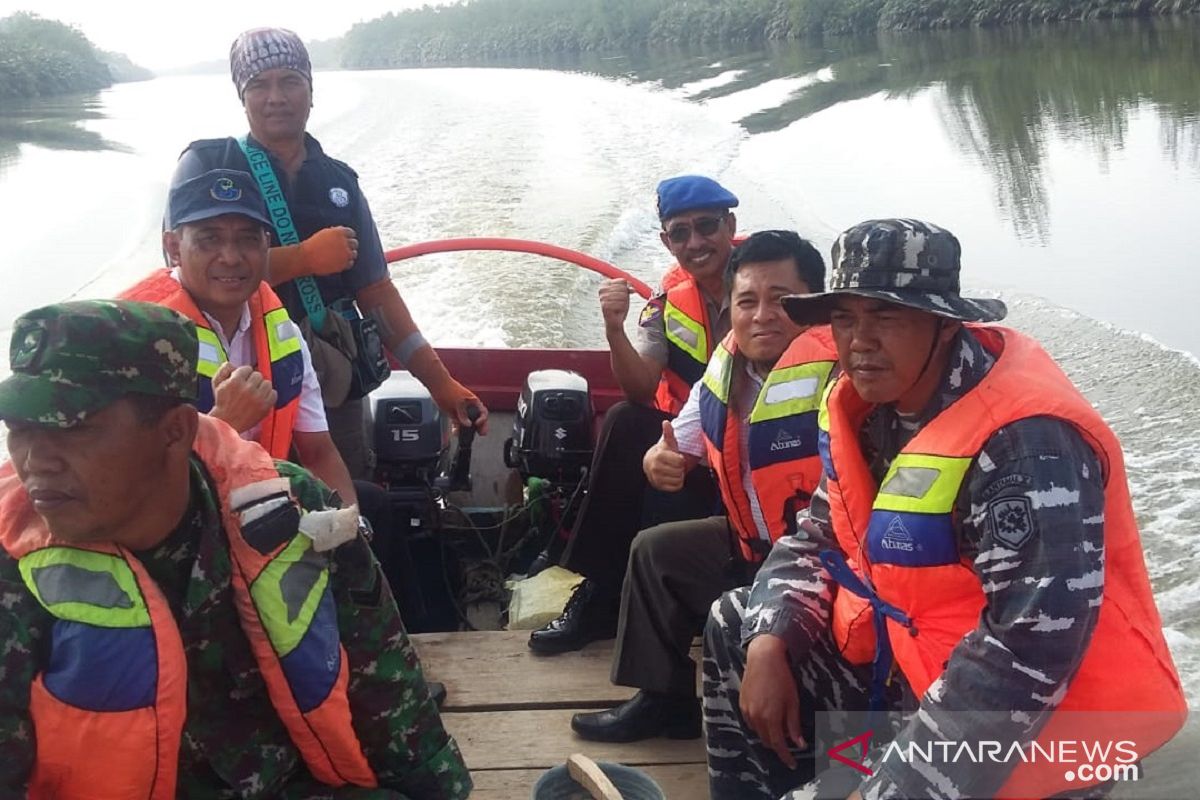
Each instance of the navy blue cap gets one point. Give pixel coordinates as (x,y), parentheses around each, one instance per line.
(690,193)
(216,192)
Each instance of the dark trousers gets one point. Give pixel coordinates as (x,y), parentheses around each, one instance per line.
(620,502)
(347,429)
(391,548)
(676,571)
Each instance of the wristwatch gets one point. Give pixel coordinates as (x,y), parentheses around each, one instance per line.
(364,528)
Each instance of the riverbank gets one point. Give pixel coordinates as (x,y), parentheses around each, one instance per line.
(42,57)
(484,31)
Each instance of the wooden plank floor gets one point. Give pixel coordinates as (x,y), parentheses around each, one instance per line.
(510,712)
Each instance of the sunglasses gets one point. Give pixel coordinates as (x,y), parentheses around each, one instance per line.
(705,226)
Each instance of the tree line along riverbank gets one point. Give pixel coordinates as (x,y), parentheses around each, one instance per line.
(491,29)
(41,57)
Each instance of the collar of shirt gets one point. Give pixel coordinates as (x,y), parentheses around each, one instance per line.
(170,563)
(745,391)
(312,148)
(718,314)
(885,431)
(242,326)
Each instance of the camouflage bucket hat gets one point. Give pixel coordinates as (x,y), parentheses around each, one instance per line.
(70,360)
(903,261)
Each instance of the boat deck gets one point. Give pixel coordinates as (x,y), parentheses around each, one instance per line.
(510,711)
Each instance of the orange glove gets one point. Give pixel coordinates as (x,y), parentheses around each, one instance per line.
(450,395)
(326,252)
(384,304)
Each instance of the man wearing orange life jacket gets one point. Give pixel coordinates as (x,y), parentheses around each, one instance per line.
(975,521)
(753,419)
(182,615)
(676,334)
(255,369)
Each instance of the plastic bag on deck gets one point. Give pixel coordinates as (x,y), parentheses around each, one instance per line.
(537,600)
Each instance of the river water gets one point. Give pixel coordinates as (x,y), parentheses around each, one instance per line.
(1066,159)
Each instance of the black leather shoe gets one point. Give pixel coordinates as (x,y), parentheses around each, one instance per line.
(590,615)
(643,716)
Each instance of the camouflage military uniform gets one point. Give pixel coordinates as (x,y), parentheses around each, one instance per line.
(234,744)
(1043,580)
(238,747)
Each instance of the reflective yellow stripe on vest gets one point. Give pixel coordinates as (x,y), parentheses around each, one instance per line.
(685,333)
(282,336)
(288,592)
(212,354)
(823,411)
(85,586)
(791,391)
(717,374)
(922,484)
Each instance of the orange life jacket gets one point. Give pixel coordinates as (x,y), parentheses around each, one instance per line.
(276,348)
(108,708)
(908,549)
(690,343)
(781,440)
(684,340)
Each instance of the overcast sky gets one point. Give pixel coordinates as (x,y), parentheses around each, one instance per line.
(160,33)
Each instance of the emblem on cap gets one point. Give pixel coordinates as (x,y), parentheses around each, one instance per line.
(225,189)
(25,353)
(339,197)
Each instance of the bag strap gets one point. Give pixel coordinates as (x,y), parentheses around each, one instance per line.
(285,228)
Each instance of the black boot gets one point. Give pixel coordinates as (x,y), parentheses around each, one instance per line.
(590,614)
(437,691)
(645,715)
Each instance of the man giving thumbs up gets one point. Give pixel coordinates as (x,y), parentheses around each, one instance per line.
(752,419)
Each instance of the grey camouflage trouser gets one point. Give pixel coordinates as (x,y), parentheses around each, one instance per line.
(740,766)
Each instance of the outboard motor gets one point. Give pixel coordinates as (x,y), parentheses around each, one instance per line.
(411,436)
(551,447)
(552,433)
(411,439)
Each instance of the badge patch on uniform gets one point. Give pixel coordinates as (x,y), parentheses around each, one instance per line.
(1011,519)
(339,197)
(652,312)
(1007,482)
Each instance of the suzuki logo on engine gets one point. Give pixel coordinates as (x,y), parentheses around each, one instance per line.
(410,435)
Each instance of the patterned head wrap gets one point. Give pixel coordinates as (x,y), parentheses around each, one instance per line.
(260,49)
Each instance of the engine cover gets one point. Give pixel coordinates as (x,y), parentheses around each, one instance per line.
(411,436)
(553,430)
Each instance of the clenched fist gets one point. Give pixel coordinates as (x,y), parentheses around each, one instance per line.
(614,302)
(241,397)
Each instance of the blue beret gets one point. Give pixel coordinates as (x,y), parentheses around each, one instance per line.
(692,192)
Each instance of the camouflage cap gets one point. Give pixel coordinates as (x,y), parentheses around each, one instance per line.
(903,261)
(70,360)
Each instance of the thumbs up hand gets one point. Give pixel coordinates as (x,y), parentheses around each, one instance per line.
(668,437)
(664,465)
